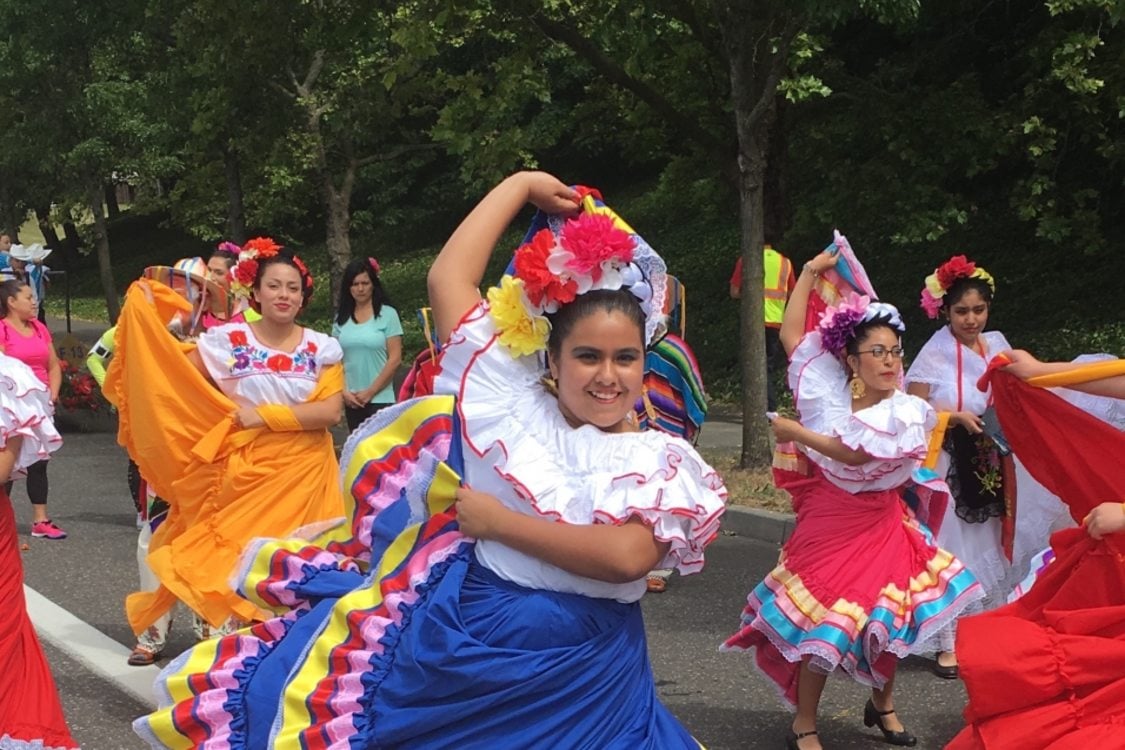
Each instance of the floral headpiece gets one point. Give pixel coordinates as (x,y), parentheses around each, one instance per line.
(374,265)
(944,276)
(838,323)
(594,250)
(229,249)
(244,272)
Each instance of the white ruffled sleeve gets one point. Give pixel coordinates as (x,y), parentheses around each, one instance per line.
(520,449)
(932,365)
(893,429)
(674,491)
(474,345)
(819,384)
(328,350)
(25,411)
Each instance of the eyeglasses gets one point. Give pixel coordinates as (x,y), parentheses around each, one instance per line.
(881,352)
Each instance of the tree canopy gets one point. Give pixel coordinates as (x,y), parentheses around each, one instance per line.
(920,129)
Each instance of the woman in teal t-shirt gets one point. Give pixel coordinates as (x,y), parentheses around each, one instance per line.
(370,334)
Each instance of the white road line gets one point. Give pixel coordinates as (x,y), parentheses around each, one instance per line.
(90,646)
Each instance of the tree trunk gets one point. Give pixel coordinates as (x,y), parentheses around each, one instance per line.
(101,245)
(110,191)
(337,205)
(755,69)
(9,216)
(71,241)
(752,355)
(47,227)
(236,211)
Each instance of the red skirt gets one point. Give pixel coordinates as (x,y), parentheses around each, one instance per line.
(859,584)
(30,711)
(1048,671)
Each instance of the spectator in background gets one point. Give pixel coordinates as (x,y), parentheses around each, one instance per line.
(218,268)
(26,264)
(779,281)
(370,334)
(28,340)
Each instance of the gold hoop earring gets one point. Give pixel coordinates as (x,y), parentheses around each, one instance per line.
(857,387)
(550,384)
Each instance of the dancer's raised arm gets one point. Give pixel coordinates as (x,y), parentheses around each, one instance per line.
(793,323)
(455,277)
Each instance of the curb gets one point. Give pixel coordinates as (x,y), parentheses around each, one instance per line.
(762,525)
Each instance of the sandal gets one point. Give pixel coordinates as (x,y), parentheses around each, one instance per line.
(143,657)
(656,584)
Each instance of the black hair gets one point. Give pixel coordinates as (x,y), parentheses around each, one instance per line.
(864,329)
(227,256)
(962,285)
(289,258)
(346,310)
(606,300)
(8,289)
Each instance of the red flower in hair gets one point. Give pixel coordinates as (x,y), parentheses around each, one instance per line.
(593,239)
(306,277)
(238,338)
(957,267)
(538,281)
(244,272)
(280,363)
(265,247)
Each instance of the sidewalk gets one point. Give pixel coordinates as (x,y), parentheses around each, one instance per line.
(723,432)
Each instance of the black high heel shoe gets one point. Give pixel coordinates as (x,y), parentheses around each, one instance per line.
(793,738)
(874,717)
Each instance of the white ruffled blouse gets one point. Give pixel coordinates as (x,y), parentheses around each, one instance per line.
(25,411)
(520,449)
(895,431)
(252,374)
(936,366)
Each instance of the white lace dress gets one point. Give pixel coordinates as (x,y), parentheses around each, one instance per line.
(952,381)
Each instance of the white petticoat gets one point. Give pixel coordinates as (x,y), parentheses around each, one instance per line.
(25,411)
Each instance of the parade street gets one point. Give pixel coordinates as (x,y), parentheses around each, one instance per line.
(718,696)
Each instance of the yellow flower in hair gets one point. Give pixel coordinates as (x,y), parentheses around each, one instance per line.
(986,277)
(934,286)
(521,332)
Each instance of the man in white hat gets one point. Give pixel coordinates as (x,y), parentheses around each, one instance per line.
(26,265)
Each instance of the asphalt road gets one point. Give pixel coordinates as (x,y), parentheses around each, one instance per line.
(718,696)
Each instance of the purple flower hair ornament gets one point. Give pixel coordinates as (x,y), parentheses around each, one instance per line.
(838,323)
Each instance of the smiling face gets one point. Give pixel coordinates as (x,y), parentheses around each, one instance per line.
(968,316)
(599,367)
(879,374)
(279,293)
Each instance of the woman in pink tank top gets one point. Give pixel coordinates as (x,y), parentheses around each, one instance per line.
(23,337)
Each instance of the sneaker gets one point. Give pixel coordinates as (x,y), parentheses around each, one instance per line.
(47,530)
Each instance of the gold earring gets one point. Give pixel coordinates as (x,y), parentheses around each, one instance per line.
(550,384)
(857,387)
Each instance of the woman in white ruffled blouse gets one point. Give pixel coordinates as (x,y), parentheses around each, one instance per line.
(859,583)
(982,481)
(522,628)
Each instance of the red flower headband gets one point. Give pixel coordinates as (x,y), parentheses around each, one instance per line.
(244,272)
(945,276)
